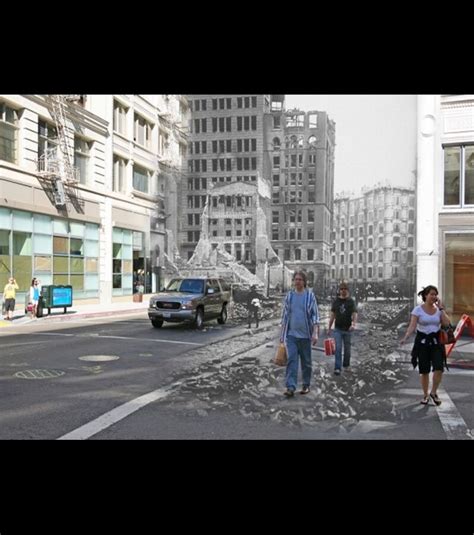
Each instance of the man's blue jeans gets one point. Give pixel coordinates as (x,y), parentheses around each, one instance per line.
(342,337)
(298,347)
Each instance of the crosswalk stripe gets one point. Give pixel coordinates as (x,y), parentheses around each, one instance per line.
(453,423)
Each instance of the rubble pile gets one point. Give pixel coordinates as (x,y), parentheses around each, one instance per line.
(387,314)
(253,386)
(270,309)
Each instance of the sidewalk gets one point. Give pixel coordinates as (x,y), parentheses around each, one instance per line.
(79,312)
(100,311)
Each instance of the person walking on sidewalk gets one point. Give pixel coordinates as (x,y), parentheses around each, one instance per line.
(9,297)
(299,327)
(344,314)
(35,291)
(427,352)
(253,305)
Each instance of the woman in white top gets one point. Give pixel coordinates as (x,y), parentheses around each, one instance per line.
(427,352)
(35,291)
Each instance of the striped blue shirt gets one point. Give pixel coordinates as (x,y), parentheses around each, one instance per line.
(311,313)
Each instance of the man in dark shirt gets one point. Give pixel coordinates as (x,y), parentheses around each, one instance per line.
(344,313)
(253,305)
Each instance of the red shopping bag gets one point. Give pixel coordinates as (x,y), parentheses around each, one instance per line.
(329,346)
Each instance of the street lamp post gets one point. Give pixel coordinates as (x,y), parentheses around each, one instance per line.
(268,273)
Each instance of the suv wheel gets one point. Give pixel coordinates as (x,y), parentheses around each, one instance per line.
(199,318)
(157,323)
(223,317)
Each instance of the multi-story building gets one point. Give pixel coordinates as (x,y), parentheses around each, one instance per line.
(301,147)
(374,238)
(226,153)
(445,199)
(97,231)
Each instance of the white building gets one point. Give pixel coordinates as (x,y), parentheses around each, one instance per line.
(445,199)
(116,220)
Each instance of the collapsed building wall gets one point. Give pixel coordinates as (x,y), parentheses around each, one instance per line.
(234,237)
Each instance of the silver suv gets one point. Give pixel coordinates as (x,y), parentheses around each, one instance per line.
(190,299)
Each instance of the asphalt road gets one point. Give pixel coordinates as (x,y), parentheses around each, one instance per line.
(56,377)
(110,379)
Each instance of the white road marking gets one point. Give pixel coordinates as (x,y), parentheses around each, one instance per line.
(453,423)
(54,334)
(459,371)
(115,415)
(123,338)
(22,344)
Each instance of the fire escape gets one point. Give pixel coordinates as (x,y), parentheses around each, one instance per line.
(55,169)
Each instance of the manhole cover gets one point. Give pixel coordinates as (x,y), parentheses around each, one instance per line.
(98,358)
(39,374)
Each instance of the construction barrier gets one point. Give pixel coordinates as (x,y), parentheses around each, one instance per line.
(465,321)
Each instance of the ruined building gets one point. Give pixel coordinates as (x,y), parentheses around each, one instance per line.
(267,175)
(226,145)
(301,147)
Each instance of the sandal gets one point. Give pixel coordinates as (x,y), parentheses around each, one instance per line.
(435,398)
(425,400)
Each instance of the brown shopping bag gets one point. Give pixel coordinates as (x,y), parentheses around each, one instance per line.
(281,357)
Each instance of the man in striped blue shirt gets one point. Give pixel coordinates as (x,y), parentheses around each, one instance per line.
(299,328)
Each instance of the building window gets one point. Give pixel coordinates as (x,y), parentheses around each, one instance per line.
(459,176)
(141,179)
(81,158)
(47,139)
(310,254)
(120,167)
(8,133)
(459,274)
(120,118)
(142,131)
(163,143)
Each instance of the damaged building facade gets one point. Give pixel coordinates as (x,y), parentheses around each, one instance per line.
(301,149)
(226,145)
(267,178)
(228,173)
(96,218)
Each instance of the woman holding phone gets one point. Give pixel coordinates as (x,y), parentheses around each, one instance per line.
(427,352)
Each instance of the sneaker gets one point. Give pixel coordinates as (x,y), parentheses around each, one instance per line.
(337,371)
(304,390)
(289,393)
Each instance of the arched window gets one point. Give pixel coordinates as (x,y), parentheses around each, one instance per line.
(312,141)
(300,142)
(276,143)
(294,142)
(310,278)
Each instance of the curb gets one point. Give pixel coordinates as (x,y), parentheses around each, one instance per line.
(70,316)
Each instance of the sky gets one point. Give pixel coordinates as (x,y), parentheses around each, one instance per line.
(375,137)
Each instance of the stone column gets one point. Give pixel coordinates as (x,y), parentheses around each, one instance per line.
(427,251)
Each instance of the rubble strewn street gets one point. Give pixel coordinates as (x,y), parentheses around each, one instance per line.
(244,380)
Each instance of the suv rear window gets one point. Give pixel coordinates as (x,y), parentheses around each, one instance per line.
(193,286)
